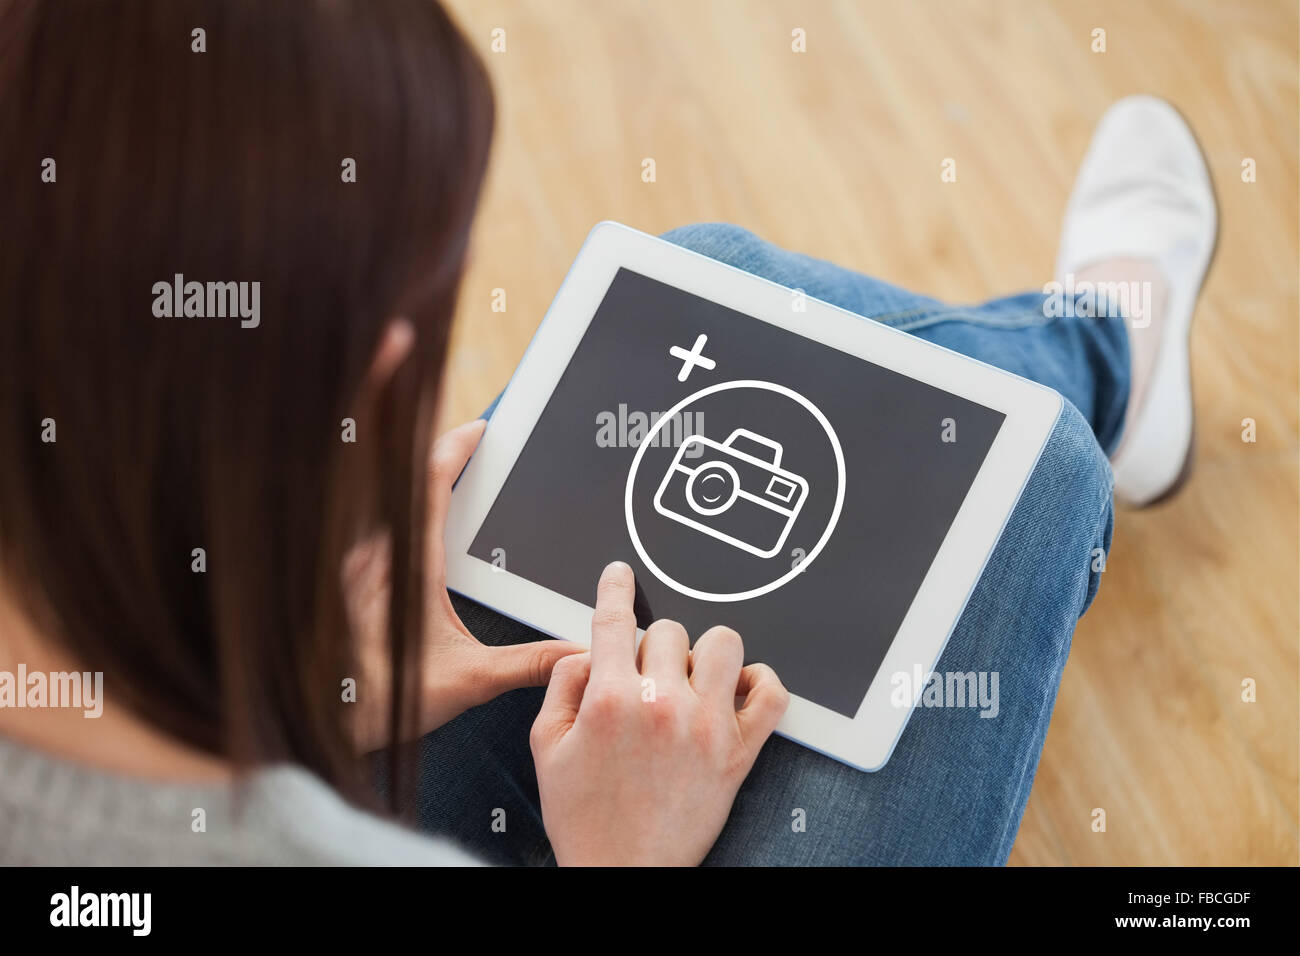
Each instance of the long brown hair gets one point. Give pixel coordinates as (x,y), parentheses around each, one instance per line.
(223,156)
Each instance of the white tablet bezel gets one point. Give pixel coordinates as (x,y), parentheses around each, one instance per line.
(867,739)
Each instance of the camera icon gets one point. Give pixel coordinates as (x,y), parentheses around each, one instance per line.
(744,498)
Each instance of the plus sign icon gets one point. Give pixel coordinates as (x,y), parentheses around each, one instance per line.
(690,359)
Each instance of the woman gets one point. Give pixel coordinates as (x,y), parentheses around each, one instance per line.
(218,498)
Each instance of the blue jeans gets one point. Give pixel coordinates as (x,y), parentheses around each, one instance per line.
(956,786)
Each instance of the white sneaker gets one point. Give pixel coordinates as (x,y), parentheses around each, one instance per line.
(1143,192)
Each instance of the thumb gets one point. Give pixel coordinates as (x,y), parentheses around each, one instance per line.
(765,702)
(503,668)
(563,698)
(447,460)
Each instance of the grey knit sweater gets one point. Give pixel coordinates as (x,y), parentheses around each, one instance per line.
(57,813)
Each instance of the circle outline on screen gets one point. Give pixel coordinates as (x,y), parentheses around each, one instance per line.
(794,571)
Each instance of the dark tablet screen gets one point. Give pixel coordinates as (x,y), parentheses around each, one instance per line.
(735,491)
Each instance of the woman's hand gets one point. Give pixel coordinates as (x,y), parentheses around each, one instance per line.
(639,754)
(458,672)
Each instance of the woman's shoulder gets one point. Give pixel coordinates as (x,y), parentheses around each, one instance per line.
(53,812)
(314,825)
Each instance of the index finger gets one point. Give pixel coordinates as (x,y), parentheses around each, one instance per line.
(613,626)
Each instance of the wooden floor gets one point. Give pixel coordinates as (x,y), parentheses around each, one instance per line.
(836,152)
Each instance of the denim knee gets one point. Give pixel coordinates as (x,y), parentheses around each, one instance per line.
(1074,471)
(720,240)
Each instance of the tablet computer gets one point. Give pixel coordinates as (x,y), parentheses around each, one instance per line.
(827,486)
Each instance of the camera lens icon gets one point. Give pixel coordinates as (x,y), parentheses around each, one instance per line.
(738,493)
(711,489)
